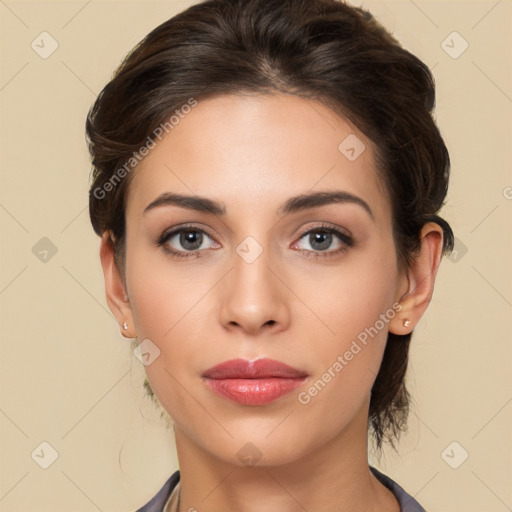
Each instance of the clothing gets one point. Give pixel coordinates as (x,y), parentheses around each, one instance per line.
(167,501)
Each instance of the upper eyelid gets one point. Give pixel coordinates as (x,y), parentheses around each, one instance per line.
(318,227)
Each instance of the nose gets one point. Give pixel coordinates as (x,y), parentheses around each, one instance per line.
(254,298)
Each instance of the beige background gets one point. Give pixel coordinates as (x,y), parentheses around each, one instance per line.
(68,377)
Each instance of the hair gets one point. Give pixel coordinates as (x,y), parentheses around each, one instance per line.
(323,50)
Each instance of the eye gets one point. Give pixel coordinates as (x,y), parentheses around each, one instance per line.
(191,241)
(185,242)
(321,238)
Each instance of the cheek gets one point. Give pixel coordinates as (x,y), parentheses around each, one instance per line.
(169,308)
(162,294)
(355,306)
(351,297)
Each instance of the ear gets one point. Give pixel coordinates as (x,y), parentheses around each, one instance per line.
(117,298)
(420,276)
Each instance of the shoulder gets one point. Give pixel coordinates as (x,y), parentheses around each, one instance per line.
(406,501)
(157,502)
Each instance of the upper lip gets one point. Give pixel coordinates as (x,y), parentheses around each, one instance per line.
(260,368)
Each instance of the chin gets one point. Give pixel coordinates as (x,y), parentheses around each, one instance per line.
(259,449)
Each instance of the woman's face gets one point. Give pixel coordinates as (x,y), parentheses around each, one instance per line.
(260,282)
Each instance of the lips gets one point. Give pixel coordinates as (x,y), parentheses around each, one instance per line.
(243,369)
(253,382)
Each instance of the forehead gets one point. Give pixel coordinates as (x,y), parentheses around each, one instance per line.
(258,150)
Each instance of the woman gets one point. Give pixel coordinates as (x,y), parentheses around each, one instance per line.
(267,178)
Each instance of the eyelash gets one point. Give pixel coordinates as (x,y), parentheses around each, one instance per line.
(347,241)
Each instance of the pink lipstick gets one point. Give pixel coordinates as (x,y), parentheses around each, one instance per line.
(257,382)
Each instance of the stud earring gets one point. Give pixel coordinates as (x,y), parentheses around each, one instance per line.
(406,322)
(125,326)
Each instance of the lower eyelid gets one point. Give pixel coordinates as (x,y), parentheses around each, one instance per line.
(345,240)
(164,239)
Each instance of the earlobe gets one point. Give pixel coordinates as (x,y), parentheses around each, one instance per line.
(421,277)
(117,297)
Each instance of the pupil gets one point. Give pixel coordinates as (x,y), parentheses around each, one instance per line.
(192,237)
(318,238)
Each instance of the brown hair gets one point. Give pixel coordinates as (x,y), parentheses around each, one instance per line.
(324,50)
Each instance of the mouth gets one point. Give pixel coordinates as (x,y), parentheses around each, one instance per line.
(253,383)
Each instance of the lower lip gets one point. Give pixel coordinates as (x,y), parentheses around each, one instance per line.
(254,391)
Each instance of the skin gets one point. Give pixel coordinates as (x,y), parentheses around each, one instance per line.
(252,153)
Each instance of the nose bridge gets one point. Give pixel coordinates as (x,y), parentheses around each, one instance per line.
(253,296)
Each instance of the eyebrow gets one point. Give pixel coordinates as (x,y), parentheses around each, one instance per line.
(292,205)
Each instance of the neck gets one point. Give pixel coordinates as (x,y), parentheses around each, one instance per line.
(330,477)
